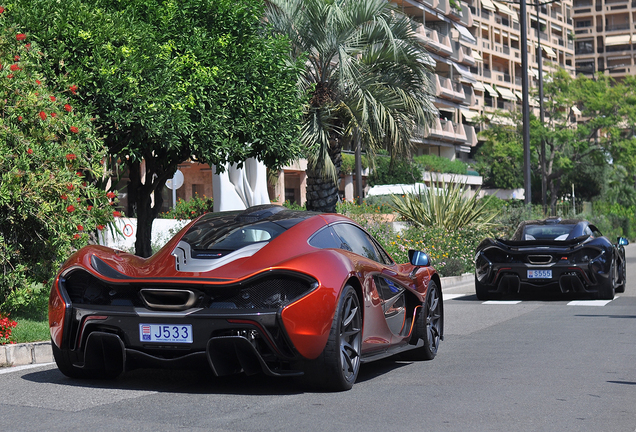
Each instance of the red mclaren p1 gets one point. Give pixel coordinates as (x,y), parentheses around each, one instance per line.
(287,293)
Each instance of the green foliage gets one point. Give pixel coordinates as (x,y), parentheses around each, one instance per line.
(50,163)
(191,209)
(445,206)
(500,158)
(168,80)
(614,220)
(348,164)
(433,163)
(293,206)
(402,171)
(366,79)
(368,207)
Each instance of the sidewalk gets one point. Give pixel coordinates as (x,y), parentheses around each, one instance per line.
(40,352)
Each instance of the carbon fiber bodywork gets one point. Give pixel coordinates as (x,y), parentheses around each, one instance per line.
(583,261)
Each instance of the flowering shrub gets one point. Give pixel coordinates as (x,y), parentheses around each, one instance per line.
(190,209)
(50,162)
(6,325)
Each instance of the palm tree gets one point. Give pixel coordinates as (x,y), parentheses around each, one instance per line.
(366,74)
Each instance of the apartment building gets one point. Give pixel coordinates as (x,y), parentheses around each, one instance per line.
(477,55)
(604,33)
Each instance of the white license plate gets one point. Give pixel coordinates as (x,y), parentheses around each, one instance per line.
(539,274)
(173,333)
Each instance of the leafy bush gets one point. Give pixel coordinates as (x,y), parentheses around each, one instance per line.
(28,330)
(50,163)
(293,206)
(402,172)
(348,164)
(432,163)
(614,220)
(191,209)
(446,206)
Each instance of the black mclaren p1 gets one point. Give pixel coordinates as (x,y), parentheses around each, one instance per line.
(570,256)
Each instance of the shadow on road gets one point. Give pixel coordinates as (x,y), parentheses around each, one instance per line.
(204,381)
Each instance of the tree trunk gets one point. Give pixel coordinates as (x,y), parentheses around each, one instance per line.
(140,200)
(322,193)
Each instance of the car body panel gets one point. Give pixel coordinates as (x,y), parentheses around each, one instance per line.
(266,305)
(574,257)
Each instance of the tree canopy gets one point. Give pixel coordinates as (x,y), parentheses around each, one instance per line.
(51,167)
(168,81)
(366,75)
(586,150)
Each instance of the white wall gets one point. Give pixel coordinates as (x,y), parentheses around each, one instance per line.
(124,234)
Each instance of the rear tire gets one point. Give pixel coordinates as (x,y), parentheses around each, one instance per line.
(607,288)
(336,369)
(622,271)
(65,364)
(481,291)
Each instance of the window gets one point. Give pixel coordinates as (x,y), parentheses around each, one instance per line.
(359,242)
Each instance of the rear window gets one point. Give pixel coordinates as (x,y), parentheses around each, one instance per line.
(547,232)
(213,238)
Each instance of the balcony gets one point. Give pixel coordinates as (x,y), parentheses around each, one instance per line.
(463,54)
(434,41)
(470,98)
(432,3)
(615,27)
(444,7)
(467,16)
(448,89)
(441,129)
(471,135)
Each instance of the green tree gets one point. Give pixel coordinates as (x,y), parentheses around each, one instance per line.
(168,81)
(50,165)
(366,76)
(500,158)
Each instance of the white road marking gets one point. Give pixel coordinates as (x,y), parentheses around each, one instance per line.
(20,368)
(453,296)
(502,302)
(589,302)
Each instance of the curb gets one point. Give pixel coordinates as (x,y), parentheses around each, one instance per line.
(26,353)
(40,352)
(450,281)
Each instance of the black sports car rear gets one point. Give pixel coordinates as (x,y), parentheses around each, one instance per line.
(552,254)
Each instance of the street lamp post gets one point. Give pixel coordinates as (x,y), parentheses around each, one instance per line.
(526,102)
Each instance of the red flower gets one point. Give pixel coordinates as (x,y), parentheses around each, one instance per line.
(38,82)
(70,209)
(80,228)
(76,236)
(79,173)
(1,9)
(74,129)
(52,98)
(78,199)
(68,108)
(53,115)
(30,151)
(73,89)
(16,57)
(20,118)
(10,76)
(100,227)
(111,195)
(64,197)
(70,187)
(14,67)
(71,156)
(116,214)
(28,46)
(20,36)
(90,208)
(42,115)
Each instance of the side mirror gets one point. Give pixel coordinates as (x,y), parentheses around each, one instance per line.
(419,258)
(623,241)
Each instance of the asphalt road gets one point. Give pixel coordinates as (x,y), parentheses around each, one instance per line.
(535,365)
